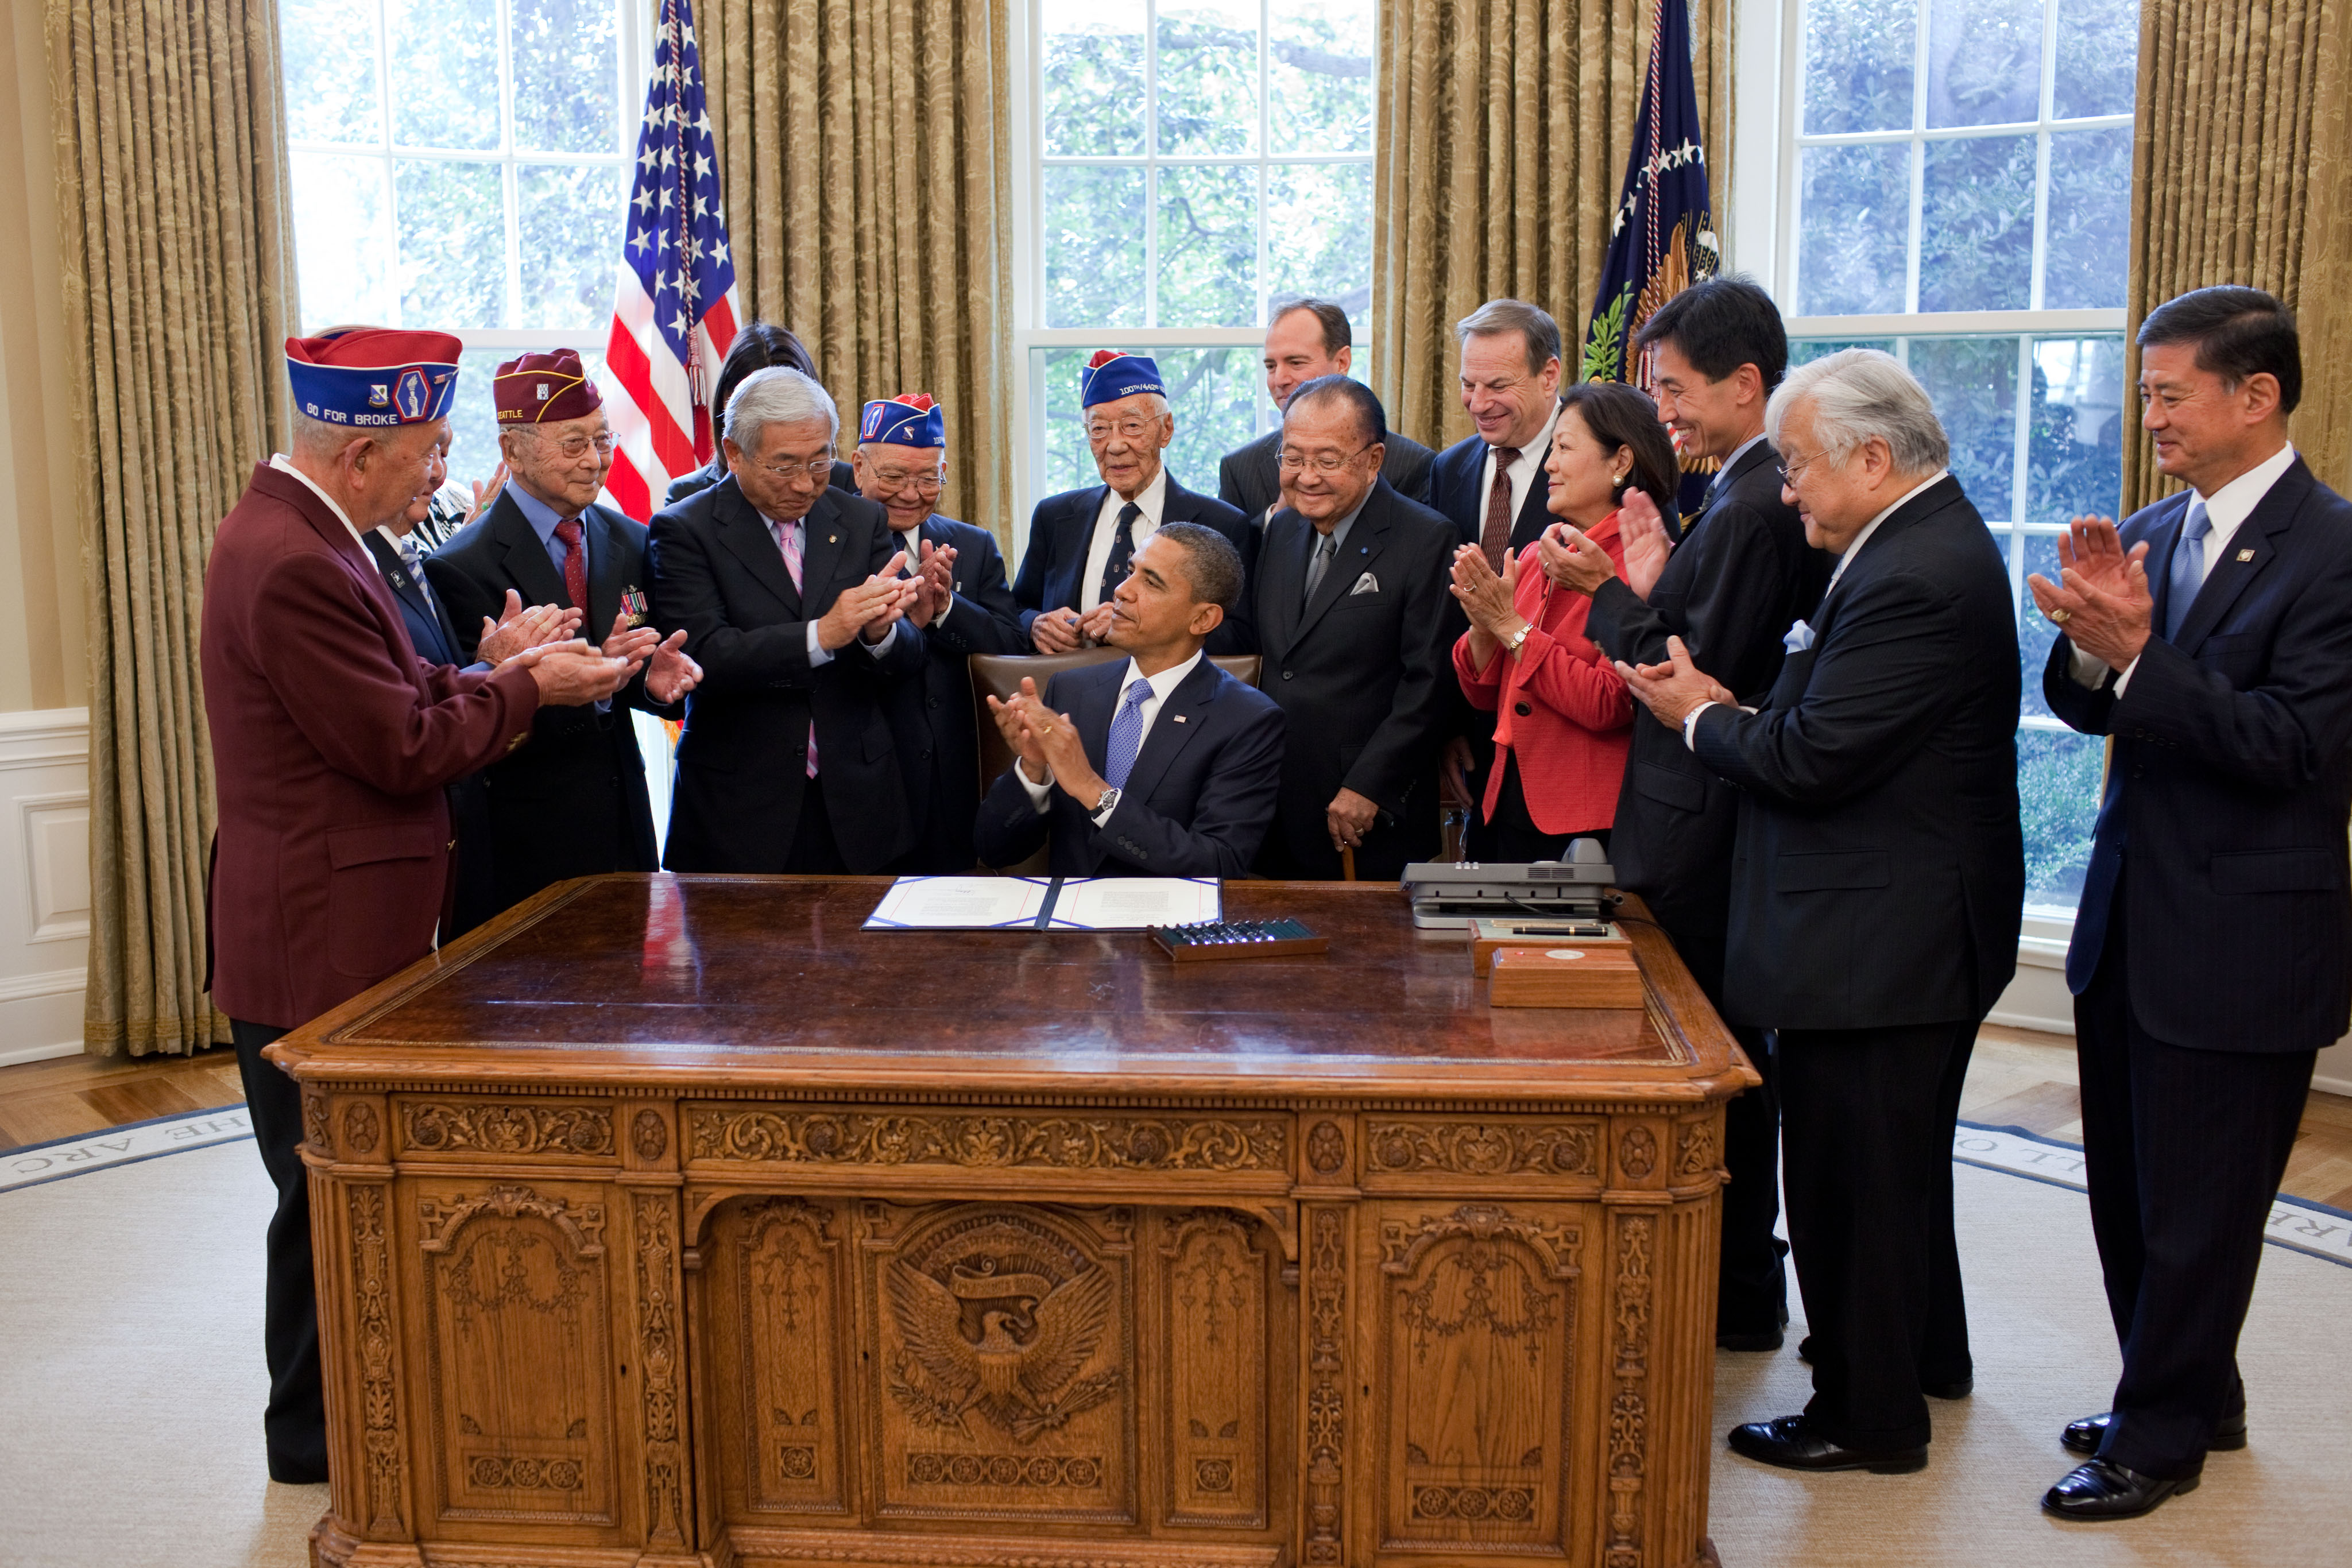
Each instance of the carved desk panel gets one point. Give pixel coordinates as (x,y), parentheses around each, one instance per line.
(673,1221)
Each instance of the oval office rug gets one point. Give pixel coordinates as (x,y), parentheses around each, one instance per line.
(131,1381)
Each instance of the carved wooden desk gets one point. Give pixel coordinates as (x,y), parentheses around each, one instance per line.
(676,1220)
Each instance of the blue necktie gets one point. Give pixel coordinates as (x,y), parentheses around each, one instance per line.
(415,563)
(2188,574)
(1126,734)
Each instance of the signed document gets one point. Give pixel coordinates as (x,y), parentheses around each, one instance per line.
(960,904)
(1044,904)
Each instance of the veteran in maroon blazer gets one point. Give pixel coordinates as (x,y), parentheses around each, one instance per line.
(332,741)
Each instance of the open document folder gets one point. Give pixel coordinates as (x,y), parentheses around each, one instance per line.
(1045,903)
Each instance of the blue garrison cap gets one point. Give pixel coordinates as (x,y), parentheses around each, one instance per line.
(911,419)
(1113,374)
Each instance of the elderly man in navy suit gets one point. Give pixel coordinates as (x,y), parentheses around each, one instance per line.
(1157,765)
(2210,639)
(1082,541)
(965,607)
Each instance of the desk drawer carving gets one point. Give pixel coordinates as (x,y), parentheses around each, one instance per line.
(1488,1147)
(505,1127)
(1056,1140)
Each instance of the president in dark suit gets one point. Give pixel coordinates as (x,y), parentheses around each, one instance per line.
(791,598)
(1081,541)
(1353,611)
(964,607)
(1158,765)
(1306,339)
(1740,576)
(2211,641)
(1878,880)
(573,802)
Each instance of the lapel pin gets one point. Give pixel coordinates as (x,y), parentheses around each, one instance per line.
(1177,716)
(2244,556)
(829,538)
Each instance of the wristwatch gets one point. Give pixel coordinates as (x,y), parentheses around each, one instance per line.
(1106,805)
(1524,628)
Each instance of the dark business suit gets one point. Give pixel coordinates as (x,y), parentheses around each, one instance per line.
(743,779)
(1742,574)
(1197,799)
(1250,477)
(1454,489)
(573,802)
(475,893)
(1061,536)
(1365,672)
(2212,953)
(1877,881)
(937,736)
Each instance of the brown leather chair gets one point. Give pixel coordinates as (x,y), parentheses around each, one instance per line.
(999,676)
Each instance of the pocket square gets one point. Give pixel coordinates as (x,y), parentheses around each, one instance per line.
(1797,638)
(1367,583)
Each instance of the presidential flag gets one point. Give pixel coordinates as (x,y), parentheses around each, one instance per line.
(1661,237)
(673,303)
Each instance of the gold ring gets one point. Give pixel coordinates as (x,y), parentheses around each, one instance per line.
(2060,617)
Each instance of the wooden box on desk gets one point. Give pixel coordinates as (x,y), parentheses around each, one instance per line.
(1595,976)
(1488,938)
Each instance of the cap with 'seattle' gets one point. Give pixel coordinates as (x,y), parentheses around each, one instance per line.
(544,389)
(1113,373)
(371,376)
(911,419)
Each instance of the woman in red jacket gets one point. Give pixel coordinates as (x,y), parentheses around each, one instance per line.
(1563,719)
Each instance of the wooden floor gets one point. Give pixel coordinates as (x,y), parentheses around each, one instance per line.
(2017,1079)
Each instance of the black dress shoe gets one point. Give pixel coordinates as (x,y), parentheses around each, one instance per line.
(2104,1490)
(1791,1444)
(1805,1350)
(298,1472)
(1762,1339)
(1957,1389)
(2083,1436)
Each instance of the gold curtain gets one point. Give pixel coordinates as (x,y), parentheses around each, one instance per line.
(178,285)
(2239,176)
(866,155)
(1503,127)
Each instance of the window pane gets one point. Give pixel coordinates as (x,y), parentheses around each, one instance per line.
(1804,350)
(1208,246)
(2088,257)
(443,66)
(1976,225)
(331,84)
(2098,56)
(2035,553)
(1973,383)
(453,243)
(1857,225)
(1208,76)
(1858,64)
(566,85)
(1318,233)
(1984,62)
(1094,248)
(473,420)
(570,219)
(1318,79)
(1092,77)
(2058,794)
(1215,393)
(342,244)
(2075,466)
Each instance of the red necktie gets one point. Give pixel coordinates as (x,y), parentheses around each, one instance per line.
(1496,541)
(575,571)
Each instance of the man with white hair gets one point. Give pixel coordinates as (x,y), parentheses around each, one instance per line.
(793,603)
(1878,884)
(1082,541)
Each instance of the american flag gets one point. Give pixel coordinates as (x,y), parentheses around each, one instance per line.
(674,296)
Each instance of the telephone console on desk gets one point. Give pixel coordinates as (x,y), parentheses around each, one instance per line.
(1448,895)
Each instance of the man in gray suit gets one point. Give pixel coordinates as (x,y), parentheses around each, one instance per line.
(1306,339)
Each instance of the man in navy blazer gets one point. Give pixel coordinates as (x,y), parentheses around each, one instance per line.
(1308,339)
(1877,882)
(1157,765)
(1082,541)
(790,596)
(2210,640)
(965,607)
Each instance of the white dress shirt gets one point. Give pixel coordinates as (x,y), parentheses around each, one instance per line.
(279,461)
(1690,719)
(1152,500)
(2225,509)
(1162,685)
(1525,470)
(819,655)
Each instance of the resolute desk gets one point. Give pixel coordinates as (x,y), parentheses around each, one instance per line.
(674,1220)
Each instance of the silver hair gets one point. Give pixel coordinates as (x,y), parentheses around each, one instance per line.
(777,395)
(1532,323)
(1159,406)
(1858,393)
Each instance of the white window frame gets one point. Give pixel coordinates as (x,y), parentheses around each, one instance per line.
(1024,121)
(1761,240)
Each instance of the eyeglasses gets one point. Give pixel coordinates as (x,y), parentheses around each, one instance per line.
(928,484)
(1127,429)
(1321,462)
(814,470)
(1791,472)
(576,447)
